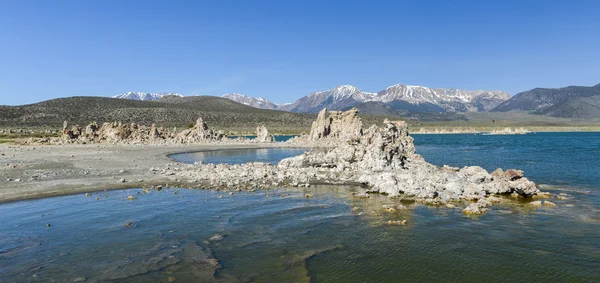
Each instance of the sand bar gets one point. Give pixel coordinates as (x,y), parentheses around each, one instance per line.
(29,172)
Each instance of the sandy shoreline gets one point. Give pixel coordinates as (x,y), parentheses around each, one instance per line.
(30,172)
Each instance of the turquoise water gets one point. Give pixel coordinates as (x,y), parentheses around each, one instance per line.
(330,237)
(565,159)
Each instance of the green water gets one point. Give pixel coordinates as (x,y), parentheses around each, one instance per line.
(330,237)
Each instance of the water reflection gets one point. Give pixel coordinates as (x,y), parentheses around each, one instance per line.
(238,156)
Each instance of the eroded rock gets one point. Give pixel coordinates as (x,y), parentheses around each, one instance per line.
(200,132)
(336,125)
(117,132)
(382,159)
(262,135)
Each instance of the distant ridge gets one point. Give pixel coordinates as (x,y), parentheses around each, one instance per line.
(566,102)
(581,102)
(169,111)
(257,102)
(399,98)
(145,96)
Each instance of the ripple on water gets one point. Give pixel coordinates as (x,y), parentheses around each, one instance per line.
(323,238)
(289,239)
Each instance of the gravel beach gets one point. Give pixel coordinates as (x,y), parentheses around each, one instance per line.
(29,172)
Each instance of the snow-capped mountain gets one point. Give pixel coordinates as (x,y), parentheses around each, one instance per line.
(340,97)
(399,98)
(450,100)
(404,98)
(257,102)
(145,95)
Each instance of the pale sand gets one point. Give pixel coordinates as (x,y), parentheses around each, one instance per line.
(46,171)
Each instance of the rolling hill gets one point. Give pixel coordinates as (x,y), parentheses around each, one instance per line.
(580,108)
(568,102)
(169,111)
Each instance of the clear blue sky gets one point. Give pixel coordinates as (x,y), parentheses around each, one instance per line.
(283,50)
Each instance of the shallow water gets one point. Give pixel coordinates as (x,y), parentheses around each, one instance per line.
(329,237)
(238,156)
(278,138)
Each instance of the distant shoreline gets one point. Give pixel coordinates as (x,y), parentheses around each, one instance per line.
(531,131)
(432,128)
(481,133)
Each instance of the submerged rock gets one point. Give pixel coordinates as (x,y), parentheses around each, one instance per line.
(216,238)
(479,207)
(396,222)
(184,260)
(536,203)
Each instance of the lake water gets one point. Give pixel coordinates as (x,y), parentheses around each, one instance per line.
(238,156)
(565,159)
(330,237)
(278,138)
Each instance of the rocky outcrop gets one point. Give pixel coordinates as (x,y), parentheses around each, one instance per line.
(199,133)
(510,131)
(69,134)
(262,135)
(376,150)
(383,160)
(336,125)
(446,131)
(117,132)
(380,159)
(19,132)
(331,129)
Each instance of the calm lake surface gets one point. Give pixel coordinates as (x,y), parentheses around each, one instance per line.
(330,237)
(278,138)
(238,156)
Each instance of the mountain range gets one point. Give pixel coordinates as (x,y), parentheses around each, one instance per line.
(581,102)
(398,99)
(257,102)
(145,96)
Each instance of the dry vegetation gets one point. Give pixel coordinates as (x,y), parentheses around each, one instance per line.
(232,117)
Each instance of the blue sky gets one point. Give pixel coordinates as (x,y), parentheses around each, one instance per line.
(283,50)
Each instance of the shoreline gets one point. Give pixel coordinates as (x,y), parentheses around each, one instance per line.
(40,171)
(532,131)
(29,172)
(21,140)
(33,172)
